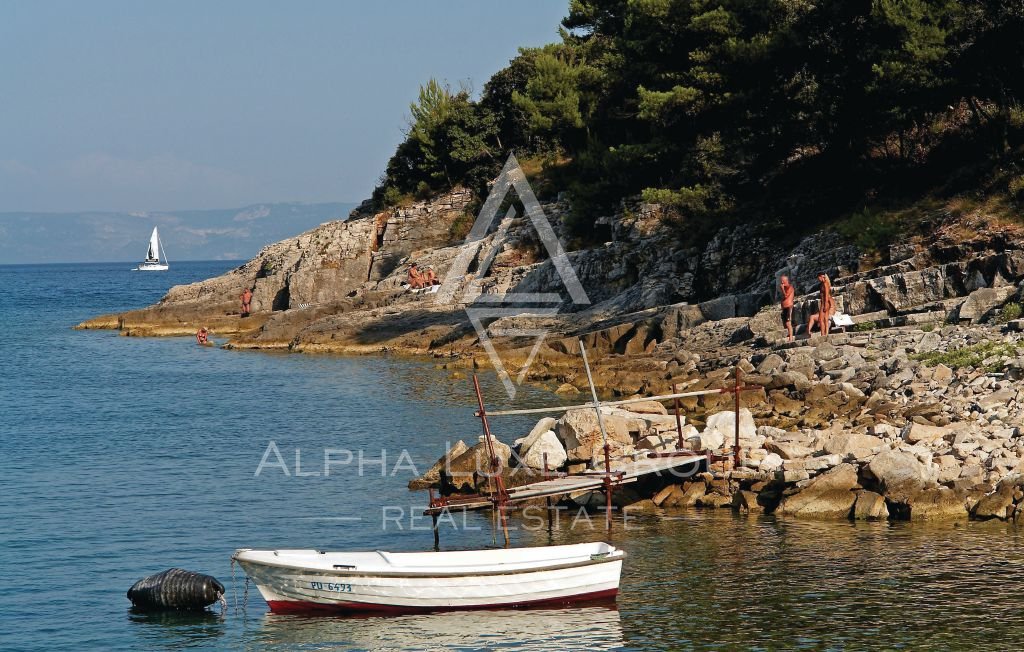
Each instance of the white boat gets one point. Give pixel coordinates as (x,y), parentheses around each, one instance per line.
(403,582)
(156,257)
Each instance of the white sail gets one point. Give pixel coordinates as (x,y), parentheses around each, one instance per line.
(154,246)
(156,259)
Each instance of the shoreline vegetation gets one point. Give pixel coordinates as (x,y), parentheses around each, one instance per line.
(688,156)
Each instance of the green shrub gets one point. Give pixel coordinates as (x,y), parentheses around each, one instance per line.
(869,230)
(865,326)
(968,356)
(1016,187)
(1008,313)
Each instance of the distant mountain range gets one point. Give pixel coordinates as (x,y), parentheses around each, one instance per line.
(230,234)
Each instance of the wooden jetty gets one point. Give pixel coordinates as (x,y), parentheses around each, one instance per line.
(569,484)
(625,471)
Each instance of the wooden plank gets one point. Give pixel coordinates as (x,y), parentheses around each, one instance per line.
(566,408)
(573,483)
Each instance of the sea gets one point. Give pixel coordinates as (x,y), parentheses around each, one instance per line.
(122,457)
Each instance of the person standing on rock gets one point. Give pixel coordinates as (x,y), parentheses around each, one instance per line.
(246,300)
(788,295)
(826,306)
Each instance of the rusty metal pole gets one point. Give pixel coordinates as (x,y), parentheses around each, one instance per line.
(736,441)
(547,501)
(604,437)
(502,494)
(680,444)
(433,517)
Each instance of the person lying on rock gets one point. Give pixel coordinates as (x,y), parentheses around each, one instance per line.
(416,281)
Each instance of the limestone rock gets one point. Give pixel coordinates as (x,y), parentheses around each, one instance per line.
(433,475)
(789,451)
(829,495)
(720,429)
(917,433)
(547,443)
(647,407)
(870,506)
(851,445)
(472,467)
(936,503)
(900,474)
(580,432)
(982,302)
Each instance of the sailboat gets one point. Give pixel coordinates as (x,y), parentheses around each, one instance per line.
(156,257)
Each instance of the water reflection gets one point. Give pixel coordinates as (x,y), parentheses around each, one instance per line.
(585,628)
(177,629)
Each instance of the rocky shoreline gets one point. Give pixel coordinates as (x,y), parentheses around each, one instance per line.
(914,413)
(865,426)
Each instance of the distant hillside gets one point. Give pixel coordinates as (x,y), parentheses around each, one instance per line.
(231,234)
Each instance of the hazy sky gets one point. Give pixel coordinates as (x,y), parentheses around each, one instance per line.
(131,105)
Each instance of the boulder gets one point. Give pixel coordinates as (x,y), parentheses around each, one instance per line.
(900,474)
(788,451)
(746,501)
(721,428)
(936,503)
(771,463)
(918,433)
(473,466)
(850,445)
(658,443)
(983,302)
(432,477)
(647,407)
(870,506)
(581,434)
(771,365)
(565,389)
(547,443)
(999,503)
(829,495)
(669,496)
(692,493)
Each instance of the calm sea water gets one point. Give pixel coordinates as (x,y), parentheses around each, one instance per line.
(122,457)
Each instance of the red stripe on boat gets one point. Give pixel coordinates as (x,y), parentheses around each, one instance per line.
(298,606)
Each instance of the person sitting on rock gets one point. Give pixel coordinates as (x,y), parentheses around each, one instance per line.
(826,306)
(416,281)
(430,277)
(202,336)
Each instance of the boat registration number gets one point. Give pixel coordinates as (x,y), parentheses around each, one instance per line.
(331,586)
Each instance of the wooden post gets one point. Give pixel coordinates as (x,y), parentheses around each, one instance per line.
(680,444)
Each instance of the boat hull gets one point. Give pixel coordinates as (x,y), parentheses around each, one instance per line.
(152,267)
(289,589)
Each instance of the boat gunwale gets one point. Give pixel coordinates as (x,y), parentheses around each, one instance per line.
(617,555)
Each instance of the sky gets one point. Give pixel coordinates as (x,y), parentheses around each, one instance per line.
(130,106)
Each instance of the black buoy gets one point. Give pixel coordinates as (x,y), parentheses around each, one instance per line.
(176,589)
